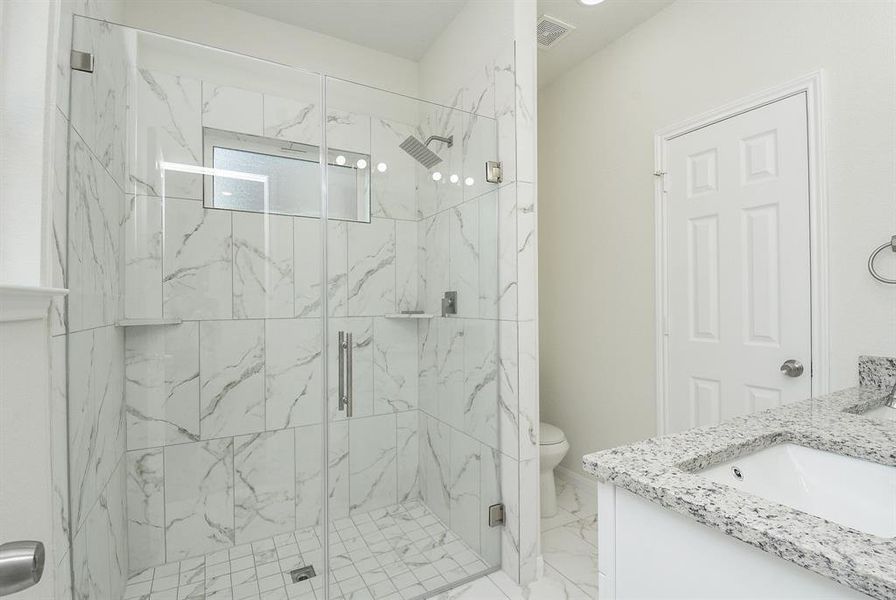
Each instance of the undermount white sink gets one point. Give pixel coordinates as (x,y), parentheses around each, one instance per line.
(849,491)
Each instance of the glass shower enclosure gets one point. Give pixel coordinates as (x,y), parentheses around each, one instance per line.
(281,330)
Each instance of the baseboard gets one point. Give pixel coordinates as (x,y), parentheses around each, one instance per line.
(576,478)
(539,567)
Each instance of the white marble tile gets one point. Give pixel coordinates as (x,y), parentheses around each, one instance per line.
(393,192)
(371,267)
(464,474)
(576,500)
(338,473)
(146,508)
(262,266)
(232,109)
(91,556)
(525,102)
(308,475)
(84,357)
(505,111)
(231,377)
(529,516)
(361,329)
(507,253)
(435,464)
(198,498)
(480,366)
(479,146)
(59,248)
(337,268)
(488,256)
(394,365)
(508,384)
(94,211)
(489,494)
(115,497)
(99,99)
(348,131)
(464,261)
(264,488)
(372,459)
(563,517)
(408,455)
(197,269)
(142,232)
(406,255)
(445,122)
(528,390)
(168,127)
(292,119)
(450,399)
(527,252)
(306,266)
(573,557)
(292,372)
(510,533)
(59,450)
(479,589)
(162,385)
(427,366)
(433,237)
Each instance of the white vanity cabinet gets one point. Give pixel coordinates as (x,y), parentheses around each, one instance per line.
(646,551)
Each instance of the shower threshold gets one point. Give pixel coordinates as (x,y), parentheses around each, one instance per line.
(401,552)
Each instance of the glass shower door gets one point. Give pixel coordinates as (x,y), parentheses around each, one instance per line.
(412,392)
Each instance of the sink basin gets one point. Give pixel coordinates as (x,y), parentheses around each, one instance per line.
(882,413)
(849,491)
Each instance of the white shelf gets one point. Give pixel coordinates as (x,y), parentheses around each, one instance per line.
(147,322)
(409,316)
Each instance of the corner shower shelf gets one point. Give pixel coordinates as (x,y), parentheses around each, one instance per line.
(147,322)
(409,316)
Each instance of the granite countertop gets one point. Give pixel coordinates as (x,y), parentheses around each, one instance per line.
(661,470)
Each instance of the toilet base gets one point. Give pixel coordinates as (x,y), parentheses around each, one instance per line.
(548,494)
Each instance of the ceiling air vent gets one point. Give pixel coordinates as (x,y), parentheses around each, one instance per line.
(551,30)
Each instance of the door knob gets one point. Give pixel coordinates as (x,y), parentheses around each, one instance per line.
(21,566)
(792,368)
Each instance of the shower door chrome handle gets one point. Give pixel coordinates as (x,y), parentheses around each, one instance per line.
(345,372)
(349,400)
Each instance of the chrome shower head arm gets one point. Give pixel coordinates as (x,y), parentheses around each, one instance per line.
(447,140)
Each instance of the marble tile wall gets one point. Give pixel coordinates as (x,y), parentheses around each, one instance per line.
(87,350)
(223,410)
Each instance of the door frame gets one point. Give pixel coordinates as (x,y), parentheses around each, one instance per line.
(811,86)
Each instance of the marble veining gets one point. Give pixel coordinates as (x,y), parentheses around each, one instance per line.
(662,471)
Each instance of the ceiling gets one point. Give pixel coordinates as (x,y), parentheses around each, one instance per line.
(595,27)
(399,27)
(407,28)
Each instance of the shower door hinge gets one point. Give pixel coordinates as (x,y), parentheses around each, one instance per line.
(493,171)
(82,61)
(495,515)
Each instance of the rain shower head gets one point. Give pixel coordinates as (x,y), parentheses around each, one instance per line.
(419,151)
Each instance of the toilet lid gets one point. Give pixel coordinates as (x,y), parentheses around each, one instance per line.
(548,434)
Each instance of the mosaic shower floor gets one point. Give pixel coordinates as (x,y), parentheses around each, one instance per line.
(395,553)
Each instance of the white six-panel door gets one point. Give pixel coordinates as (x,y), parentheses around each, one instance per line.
(737,265)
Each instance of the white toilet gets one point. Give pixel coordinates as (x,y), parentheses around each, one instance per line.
(553,447)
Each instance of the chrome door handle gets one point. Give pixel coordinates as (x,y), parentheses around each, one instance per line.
(345,372)
(349,396)
(21,566)
(792,368)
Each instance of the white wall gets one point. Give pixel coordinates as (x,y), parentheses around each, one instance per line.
(224,27)
(596,127)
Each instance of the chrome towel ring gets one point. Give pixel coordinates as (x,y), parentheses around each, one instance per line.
(892,246)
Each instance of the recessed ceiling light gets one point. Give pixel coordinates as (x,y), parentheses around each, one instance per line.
(589,2)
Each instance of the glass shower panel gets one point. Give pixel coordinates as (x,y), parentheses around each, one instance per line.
(195,362)
(413,396)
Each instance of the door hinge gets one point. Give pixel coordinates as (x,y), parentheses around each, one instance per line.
(495,515)
(82,61)
(494,173)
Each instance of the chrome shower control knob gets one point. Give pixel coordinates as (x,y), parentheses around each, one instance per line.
(792,368)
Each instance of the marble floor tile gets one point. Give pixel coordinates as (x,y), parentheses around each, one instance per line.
(575,499)
(562,518)
(401,551)
(565,550)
